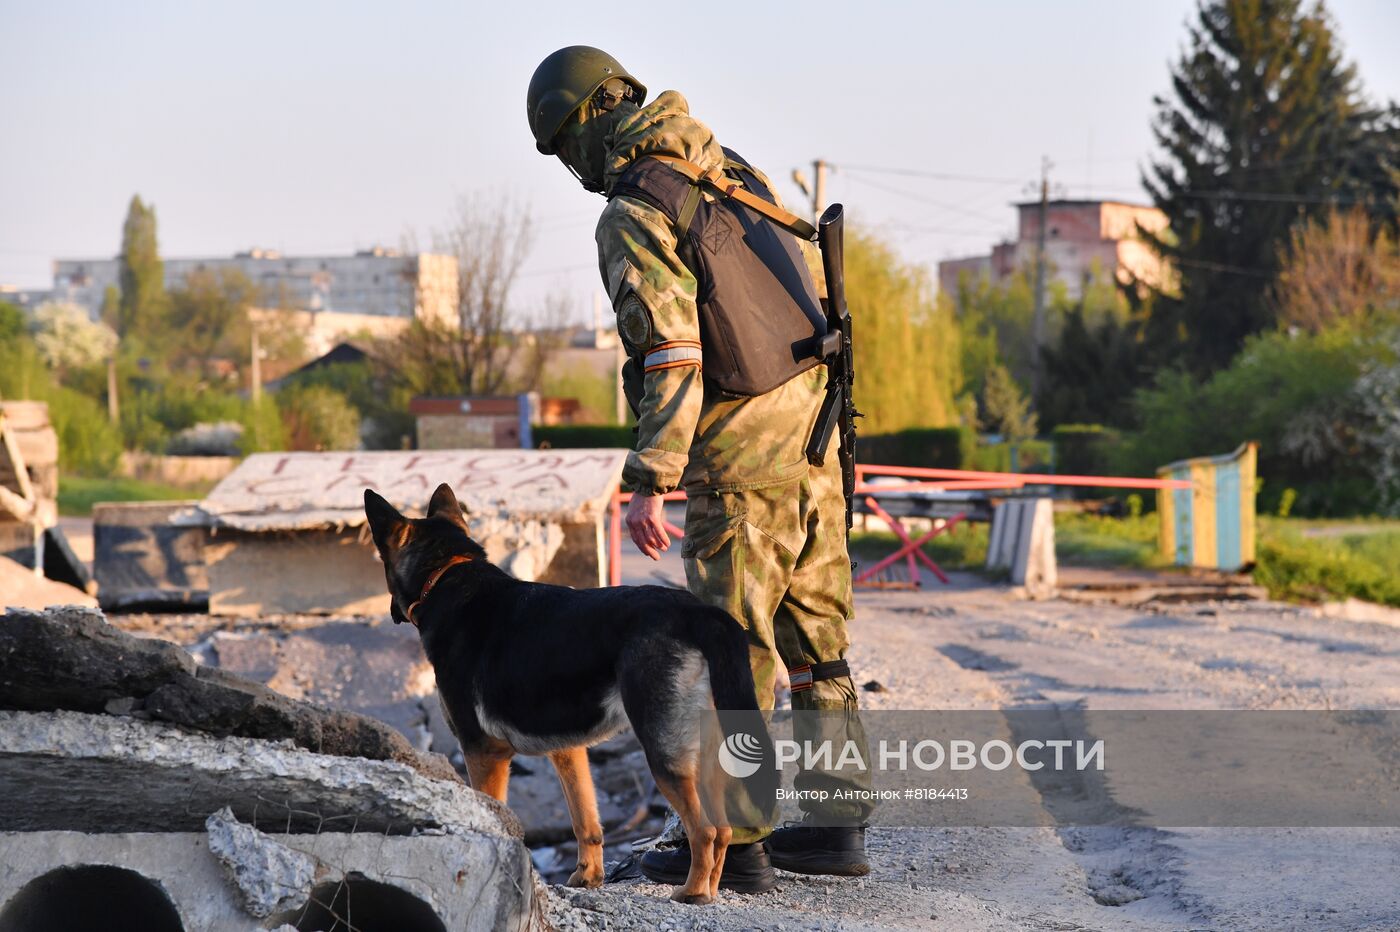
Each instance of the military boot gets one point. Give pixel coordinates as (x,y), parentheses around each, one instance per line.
(814,849)
(746,867)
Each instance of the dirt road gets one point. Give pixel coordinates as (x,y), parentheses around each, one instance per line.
(976,647)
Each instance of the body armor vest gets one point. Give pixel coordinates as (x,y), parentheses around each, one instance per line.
(761,321)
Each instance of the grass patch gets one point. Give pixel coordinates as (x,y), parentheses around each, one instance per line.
(1313,569)
(77,494)
(1094,540)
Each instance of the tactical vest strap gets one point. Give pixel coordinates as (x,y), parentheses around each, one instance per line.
(687,214)
(726,187)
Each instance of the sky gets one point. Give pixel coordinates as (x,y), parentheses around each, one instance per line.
(326,127)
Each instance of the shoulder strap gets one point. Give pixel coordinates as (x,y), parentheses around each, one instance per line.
(716,180)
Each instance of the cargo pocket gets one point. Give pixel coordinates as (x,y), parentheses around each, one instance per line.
(713,553)
(710,536)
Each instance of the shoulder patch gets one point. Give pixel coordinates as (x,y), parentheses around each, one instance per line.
(634,323)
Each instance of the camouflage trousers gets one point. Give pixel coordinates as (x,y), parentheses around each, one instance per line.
(775,558)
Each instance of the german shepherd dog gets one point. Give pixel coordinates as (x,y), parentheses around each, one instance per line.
(535,669)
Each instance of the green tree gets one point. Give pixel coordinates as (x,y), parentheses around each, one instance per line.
(908,364)
(1091,372)
(68,339)
(1005,408)
(1267,126)
(141,275)
(13,325)
(208,319)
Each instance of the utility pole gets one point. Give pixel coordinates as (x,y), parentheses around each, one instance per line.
(113,412)
(1038,321)
(817,189)
(255,368)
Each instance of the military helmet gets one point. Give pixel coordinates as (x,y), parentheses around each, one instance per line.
(563,81)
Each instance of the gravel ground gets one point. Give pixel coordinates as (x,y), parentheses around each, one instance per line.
(974,646)
(971,646)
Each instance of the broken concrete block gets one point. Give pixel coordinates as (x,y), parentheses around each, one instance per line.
(71,771)
(72,659)
(269,875)
(143,562)
(61,564)
(172,880)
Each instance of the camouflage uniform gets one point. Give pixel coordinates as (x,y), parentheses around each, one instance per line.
(765,532)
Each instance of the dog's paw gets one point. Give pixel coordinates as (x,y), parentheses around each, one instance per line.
(585,877)
(695,899)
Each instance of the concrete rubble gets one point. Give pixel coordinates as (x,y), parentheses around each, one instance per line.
(243,809)
(271,876)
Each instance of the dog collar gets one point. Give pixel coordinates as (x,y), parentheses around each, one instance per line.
(433,581)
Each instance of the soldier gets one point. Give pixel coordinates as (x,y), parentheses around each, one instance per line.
(713,305)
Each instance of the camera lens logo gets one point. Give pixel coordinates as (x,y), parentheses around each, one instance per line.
(741,755)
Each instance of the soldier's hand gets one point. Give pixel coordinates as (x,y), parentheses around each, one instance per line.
(645,524)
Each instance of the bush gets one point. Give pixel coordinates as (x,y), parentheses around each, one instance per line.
(928,447)
(1295,395)
(1318,568)
(262,427)
(88,442)
(319,418)
(1031,456)
(584,436)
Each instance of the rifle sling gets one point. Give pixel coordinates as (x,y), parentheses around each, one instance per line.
(716,180)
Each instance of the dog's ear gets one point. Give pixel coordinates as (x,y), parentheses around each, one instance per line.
(385,522)
(444,504)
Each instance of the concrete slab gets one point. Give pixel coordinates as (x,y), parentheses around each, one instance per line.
(73,771)
(142,561)
(288,527)
(463,882)
(296,491)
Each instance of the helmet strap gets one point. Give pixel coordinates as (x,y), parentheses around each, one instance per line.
(592,187)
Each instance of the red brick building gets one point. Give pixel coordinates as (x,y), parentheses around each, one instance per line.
(1081,236)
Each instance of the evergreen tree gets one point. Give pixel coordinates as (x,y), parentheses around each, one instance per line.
(1267,127)
(1090,374)
(141,275)
(1005,408)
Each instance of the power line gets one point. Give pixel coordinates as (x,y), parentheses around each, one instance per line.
(937,176)
(942,205)
(1221,267)
(1268,197)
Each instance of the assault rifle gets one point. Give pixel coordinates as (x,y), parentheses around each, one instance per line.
(838,407)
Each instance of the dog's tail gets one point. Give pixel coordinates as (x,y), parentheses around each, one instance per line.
(743,729)
(725,646)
